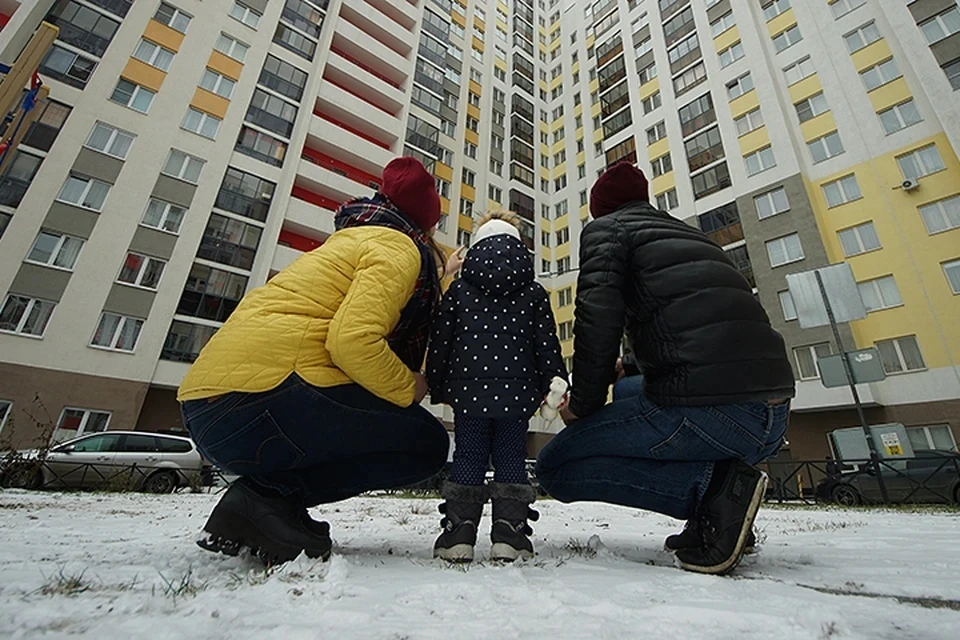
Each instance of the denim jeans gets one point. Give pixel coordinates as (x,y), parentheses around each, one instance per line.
(323,444)
(635,453)
(479,438)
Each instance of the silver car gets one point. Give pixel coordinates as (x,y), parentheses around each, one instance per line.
(152,462)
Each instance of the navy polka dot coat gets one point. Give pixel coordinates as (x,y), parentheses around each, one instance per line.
(494,348)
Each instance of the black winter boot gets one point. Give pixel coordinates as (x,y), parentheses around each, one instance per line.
(689,538)
(462,511)
(511,510)
(273,527)
(725,518)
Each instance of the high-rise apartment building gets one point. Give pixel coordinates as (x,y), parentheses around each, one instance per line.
(189,149)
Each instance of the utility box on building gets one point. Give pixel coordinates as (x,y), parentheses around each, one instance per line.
(890,440)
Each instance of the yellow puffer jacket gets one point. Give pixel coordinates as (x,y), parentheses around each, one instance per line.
(325,317)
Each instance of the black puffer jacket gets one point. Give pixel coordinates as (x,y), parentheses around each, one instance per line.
(494,348)
(698,334)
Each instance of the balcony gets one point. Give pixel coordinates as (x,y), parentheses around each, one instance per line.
(347,147)
(283,257)
(309,218)
(328,180)
(353,43)
(12,191)
(357,116)
(377,26)
(345,169)
(402,13)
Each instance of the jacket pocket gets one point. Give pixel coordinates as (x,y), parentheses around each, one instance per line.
(258,447)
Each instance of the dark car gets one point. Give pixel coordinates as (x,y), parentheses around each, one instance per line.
(929,477)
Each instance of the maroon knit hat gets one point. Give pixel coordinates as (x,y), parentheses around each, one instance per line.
(620,184)
(413,191)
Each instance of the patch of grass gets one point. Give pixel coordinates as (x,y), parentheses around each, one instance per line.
(576,548)
(829,630)
(186,586)
(66,584)
(422,508)
(402,519)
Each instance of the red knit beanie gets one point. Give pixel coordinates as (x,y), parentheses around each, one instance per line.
(413,190)
(620,184)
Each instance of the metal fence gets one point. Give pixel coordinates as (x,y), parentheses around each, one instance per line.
(41,474)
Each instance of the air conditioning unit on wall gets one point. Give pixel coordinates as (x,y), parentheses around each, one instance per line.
(910,184)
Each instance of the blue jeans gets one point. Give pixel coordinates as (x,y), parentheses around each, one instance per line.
(635,453)
(323,444)
(478,438)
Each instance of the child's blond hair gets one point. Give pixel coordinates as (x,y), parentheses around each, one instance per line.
(500,214)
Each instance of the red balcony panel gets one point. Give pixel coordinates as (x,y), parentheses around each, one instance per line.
(315,198)
(317,112)
(344,169)
(367,68)
(4,19)
(357,95)
(296,241)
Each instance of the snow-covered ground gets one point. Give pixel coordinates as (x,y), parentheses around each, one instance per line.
(125,565)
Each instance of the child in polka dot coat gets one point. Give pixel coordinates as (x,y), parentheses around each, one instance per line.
(493,353)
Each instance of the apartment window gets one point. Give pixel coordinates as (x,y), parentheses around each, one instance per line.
(211,293)
(714,179)
(880,74)
(750,121)
(560,209)
(775,8)
(802,68)
(117,332)
(185,340)
(494,193)
(201,123)
(26,316)
(245,14)
(657,132)
(900,355)
(472,123)
(661,165)
(110,140)
(560,183)
(784,250)
(5,219)
(842,191)
(231,47)
(295,41)
(740,86)
(952,71)
(67,66)
(859,239)
(941,215)
(141,271)
(466,207)
(722,23)
(812,107)
(84,192)
(825,147)
(787,306)
(84,421)
(163,215)
(183,166)
(880,293)
(771,203)
(55,249)
(808,357)
(43,132)
(230,241)
(5,406)
(690,78)
(132,95)
(936,437)
(245,194)
(952,271)
(731,54)
(496,166)
(565,297)
(172,17)
(545,238)
(18,177)
(272,113)
(565,331)
(862,37)
(153,55)
(667,200)
(463,238)
(920,163)
(900,116)
(500,74)
(468,177)
(942,25)
(652,102)
(261,146)
(563,236)
(222,85)
(648,73)
(841,8)
(563,265)
(786,39)
(760,161)
(470,150)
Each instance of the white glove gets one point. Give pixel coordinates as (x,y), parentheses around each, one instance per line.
(558,389)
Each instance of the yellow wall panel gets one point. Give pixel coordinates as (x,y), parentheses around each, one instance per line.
(465,222)
(818,127)
(458,18)
(468,192)
(871,55)
(805,88)
(726,38)
(754,140)
(443,171)
(143,74)
(782,22)
(163,35)
(210,103)
(473,112)
(747,102)
(475,87)
(890,94)
(658,148)
(649,88)
(664,183)
(225,65)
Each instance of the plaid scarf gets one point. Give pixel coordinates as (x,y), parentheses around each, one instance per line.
(409,338)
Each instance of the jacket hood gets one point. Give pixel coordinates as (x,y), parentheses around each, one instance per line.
(498,265)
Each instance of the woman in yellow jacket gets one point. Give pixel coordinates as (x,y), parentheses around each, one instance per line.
(311,390)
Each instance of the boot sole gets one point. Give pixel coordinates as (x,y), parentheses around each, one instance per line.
(503,552)
(731,563)
(457,554)
(221,528)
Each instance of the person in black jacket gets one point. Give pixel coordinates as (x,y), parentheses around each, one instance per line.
(493,353)
(712,395)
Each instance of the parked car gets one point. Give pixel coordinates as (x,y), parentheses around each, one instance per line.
(152,462)
(929,477)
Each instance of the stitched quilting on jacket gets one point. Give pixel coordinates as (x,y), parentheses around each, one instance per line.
(494,348)
(699,335)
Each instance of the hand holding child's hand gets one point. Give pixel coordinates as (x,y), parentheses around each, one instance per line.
(620,372)
(568,417)
(421,387)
